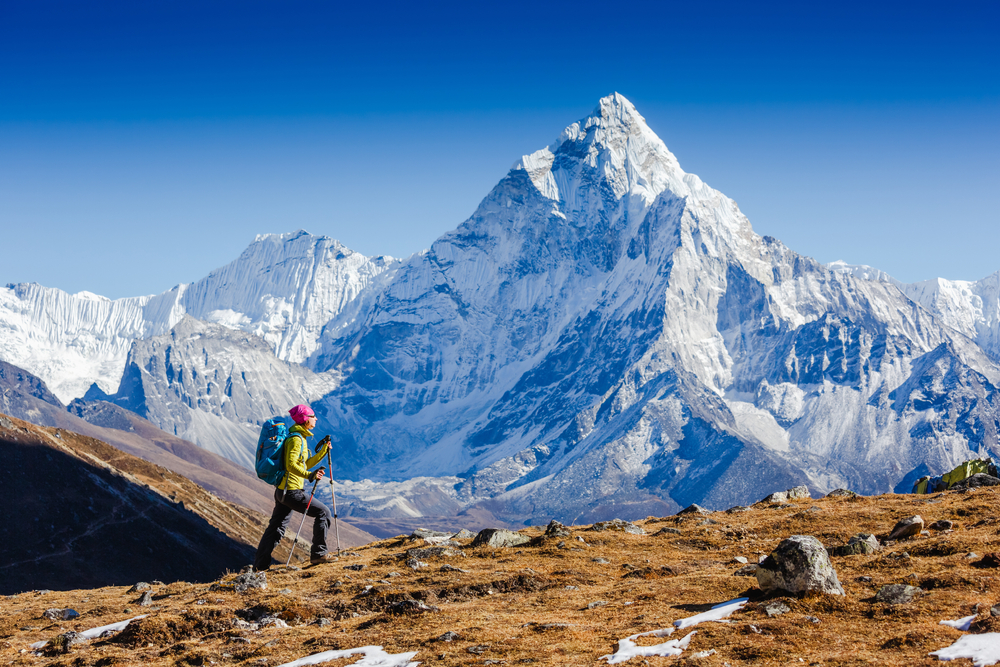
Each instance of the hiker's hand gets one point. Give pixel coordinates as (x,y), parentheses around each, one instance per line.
(318,475)
(325,441)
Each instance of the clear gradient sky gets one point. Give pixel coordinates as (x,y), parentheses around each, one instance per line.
(143,144)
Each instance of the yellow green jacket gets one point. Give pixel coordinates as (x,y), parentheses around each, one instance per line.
(296,464)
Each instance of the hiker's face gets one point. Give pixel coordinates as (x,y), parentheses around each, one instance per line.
(311,422)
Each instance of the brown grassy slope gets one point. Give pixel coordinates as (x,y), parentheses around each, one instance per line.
(220,476)
(530,604)
(80,512)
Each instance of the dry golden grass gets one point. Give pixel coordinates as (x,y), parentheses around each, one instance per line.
(530,604)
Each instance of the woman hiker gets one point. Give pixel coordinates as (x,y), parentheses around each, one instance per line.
(290,495)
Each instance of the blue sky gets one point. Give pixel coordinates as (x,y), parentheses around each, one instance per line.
(143,144)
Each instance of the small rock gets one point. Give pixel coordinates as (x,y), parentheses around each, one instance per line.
(415,564)
(896,594)
(841,493)
(448,637)
(556,529)
(478,649)
(597,603)
(249,581)
(737,509)
(561,544)
(694,509)
(865,580)
(708,522)
(60,614)
(357,567)
(860,544)
(905,528)
(271,621)
(617,525)
(972,555)
(741,560)
(324,622)
(990,560)
(139,587)
(995,610)
(799,564)
(463,535)
(942,525)
(146,599)
(667,531)
(452,568)
(812,619)
(572,588)
(703,654)
(773,609)
(602,561)
(747,571)
(499,538)
(285,591)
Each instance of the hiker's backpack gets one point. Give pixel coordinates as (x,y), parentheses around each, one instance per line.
(270,463)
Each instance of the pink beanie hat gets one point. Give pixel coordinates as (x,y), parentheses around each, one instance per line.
(301,413)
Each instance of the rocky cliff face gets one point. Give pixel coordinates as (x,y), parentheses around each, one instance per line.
(213,385)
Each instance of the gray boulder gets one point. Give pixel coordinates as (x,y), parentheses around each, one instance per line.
(499,537)
(841,493)
(695,509)
(799,564)
(60,614)
(619,525)
(785,496)
(896,594)
(556,529)
(860,544)
(906,528)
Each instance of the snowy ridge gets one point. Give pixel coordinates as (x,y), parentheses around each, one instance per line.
(969,307)
(284,288)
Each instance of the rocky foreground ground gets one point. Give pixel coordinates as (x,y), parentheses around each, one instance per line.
(565,598)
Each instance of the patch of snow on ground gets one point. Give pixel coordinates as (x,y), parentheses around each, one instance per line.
(962,623)
(375,656)
(628,650)
(982,649)
(97,632)
(716,613)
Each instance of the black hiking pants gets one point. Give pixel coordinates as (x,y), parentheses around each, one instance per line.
(293,501)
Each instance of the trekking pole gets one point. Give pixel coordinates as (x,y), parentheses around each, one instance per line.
(315,484)
(333,496)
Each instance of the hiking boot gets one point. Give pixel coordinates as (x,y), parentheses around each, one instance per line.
(325,558)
